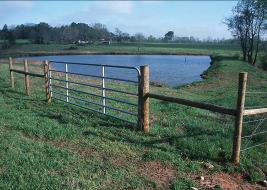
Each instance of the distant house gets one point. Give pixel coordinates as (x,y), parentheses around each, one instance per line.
(81,42)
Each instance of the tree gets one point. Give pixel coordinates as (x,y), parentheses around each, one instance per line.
(42,33)
(246,25)
(151,38)
(8,37)
(11,38)
(169,36)
(5,31)
(101,31)
(118,35)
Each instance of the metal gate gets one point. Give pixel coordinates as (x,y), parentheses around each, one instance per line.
(96,87)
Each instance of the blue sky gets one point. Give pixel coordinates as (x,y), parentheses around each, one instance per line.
(201,19)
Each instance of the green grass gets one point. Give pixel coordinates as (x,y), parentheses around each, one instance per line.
(125,48)
(19,41)
(60,146)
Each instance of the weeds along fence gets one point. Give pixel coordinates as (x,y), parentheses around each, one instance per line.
(25,72)
(254,123)
(57,86)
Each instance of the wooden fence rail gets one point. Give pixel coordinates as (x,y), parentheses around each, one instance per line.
(26,73)
(195,104)
(255,111)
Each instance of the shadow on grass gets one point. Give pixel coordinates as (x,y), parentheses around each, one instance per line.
(157,143)
(105,125)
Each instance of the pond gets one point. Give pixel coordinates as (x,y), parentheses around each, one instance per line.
(170,70)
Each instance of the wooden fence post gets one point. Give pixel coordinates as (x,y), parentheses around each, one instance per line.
(27,77)
(46,77)
(11,72)
(239,117)
(143,119)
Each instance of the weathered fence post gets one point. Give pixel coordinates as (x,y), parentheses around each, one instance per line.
(143,118)
(11,72)
(239,117)
(27,77)
(46,77)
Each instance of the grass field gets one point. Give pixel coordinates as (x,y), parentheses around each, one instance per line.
(124,48)
(60,146)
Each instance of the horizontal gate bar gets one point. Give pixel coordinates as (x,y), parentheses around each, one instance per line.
(96,86)
(130,122)
(95,76)
(27,73)
(98,65)
(78,98)
(100,96)
(90,102)
(200,105)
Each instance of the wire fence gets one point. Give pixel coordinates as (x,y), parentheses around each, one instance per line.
(254,126)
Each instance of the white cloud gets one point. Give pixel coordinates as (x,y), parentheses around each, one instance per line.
(125,7)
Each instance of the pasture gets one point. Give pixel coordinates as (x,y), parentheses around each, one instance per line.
(62,146)
(124,48)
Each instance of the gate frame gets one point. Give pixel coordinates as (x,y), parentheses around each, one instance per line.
(142,95)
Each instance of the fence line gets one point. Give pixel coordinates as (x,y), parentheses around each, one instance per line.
(15,61)
(255,111)
(143,97)
(239,112)
(25,72)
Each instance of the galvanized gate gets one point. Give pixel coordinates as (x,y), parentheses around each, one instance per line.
(91,88)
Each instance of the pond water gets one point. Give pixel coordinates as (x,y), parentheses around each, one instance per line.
(171,70)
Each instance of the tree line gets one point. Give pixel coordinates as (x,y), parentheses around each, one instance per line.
(43,33)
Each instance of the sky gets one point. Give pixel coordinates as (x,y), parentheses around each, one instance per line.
(201,19)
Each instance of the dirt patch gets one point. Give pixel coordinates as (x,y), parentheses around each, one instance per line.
(163,175)
(82,152)
(226,181)
(121,161)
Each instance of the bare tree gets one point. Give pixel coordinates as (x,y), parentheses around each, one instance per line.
(246,25)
